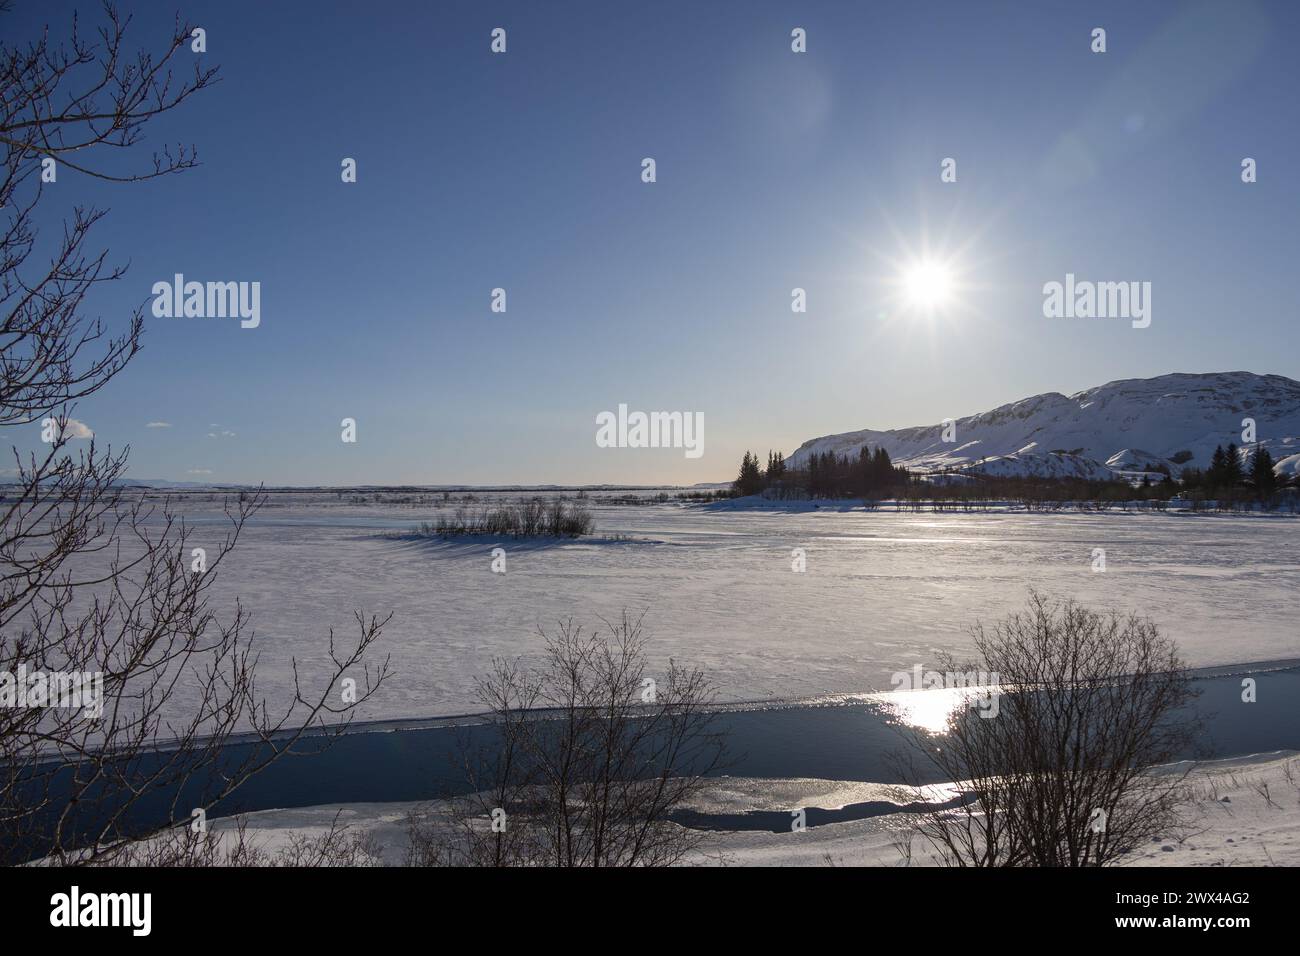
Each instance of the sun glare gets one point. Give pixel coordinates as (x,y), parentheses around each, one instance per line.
(927,710)
(927,285)
(931,709)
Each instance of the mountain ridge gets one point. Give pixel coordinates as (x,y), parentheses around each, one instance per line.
(1123,427)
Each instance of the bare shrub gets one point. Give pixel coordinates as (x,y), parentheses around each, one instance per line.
(589,762)
(530,518)
(1066,772)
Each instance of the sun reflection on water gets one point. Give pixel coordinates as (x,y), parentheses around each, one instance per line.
(929,709)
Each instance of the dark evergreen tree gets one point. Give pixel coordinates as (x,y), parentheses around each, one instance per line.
(1217,473)
(750,479)
(863,484)
(1233,474)
(775,467)
(1261,473)
(882,468)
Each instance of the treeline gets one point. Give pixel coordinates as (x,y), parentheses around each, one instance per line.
(869,474)
(1230,479)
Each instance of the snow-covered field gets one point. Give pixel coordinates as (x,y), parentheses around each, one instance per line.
(882,590)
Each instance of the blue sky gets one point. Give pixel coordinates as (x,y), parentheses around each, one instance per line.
(775,170)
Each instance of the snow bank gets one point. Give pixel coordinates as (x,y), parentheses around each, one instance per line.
(1246,812)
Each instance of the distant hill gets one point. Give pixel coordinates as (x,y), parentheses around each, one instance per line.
(1124,427)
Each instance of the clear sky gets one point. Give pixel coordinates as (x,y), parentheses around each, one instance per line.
(775,170)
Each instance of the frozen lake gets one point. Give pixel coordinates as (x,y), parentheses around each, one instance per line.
(882,591)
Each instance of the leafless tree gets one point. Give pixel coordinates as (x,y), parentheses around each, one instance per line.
(93,581)
(590,759)
(1075,764)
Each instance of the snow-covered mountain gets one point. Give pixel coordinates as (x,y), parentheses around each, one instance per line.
(1126,427)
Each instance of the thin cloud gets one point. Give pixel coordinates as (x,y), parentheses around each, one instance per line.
(73,428)
(158,425)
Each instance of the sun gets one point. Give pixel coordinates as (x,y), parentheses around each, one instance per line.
(927,284)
